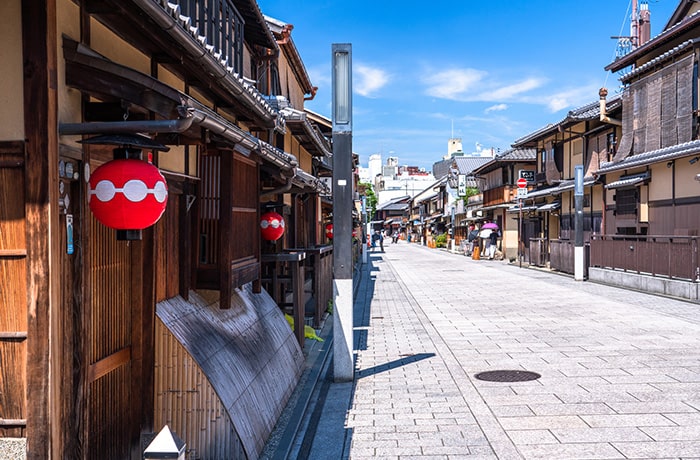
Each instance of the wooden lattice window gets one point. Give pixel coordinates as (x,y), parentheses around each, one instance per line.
(626,201)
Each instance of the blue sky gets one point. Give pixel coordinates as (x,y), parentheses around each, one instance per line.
(485,71)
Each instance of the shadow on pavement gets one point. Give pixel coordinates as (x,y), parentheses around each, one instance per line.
(394,364)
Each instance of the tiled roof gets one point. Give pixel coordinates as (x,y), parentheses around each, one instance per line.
(660,39)
(466,165)
(512,155)
(589,111)
(654,156)
(657,60)
(517,155)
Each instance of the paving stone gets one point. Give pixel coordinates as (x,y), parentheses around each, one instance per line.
(620,369)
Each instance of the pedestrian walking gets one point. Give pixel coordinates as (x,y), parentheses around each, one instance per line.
(493,243)
(472,238)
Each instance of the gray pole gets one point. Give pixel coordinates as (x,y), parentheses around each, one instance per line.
(520,233)
(578,223)
(343,365)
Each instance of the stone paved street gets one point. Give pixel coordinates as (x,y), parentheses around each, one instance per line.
(620,370)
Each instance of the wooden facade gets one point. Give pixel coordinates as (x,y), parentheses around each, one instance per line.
(581,138)
(497,181)
(84,358)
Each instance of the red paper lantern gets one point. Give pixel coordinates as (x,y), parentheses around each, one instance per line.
(329,231)
(271,226)
(127,194)
(354,233)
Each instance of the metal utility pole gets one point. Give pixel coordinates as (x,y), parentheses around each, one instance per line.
(343,365)
(579,255)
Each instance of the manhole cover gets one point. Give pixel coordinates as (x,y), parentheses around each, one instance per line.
(507,376)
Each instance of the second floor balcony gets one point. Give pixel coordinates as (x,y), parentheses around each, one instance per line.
(500,195)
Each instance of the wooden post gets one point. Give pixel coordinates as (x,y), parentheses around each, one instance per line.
(39,50)
(225,228)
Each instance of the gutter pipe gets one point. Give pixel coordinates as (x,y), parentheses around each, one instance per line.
(240,138)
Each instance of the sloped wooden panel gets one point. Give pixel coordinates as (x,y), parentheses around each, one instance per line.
(653,113)
(669,133)
(684,114)
(188,404)
(639,97)
(624,148)
(248,354)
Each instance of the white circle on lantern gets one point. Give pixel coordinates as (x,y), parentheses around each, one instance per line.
(264,224)
(135,190)
(104,190)
(160,192)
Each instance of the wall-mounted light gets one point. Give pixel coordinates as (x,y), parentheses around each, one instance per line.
(669,164)
(692,161)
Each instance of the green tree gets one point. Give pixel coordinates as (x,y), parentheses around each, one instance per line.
(365,189)
(471,191)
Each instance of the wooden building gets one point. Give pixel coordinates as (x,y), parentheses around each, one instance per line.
(104,339)
(580,138)
(652,193)
(497,182)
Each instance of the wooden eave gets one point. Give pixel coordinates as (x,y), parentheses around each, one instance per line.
(93,74)
(309,138)
(138,28)
(298,67)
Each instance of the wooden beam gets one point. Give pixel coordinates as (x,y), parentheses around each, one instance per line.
(39,50)
(108,364)
(226,238)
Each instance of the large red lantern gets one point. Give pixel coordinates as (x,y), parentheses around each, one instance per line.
(127,194)
(329,231)
(271,226)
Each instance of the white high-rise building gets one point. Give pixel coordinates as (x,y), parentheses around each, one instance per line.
(375,165)
(454,148)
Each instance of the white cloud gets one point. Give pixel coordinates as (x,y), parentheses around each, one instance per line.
(454,83)
(368,80)
(473,85)
(572,98)
(509,92)
(497,108)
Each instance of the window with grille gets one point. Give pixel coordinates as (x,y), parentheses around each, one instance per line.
(626,201)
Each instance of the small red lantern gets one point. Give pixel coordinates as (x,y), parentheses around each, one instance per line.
(127,194)
(354,233)
(329,231)
(271,226)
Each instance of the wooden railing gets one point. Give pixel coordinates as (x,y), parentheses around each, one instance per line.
(559,254)
(674,257)
(297,278)
(499,195)
(320,264)
(538,252)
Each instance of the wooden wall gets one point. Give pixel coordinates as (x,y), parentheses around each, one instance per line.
(188,404)
(13,291)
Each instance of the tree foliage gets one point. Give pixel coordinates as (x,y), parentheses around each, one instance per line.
(365,189)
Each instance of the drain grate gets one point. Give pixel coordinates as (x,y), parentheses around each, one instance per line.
(507,376)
